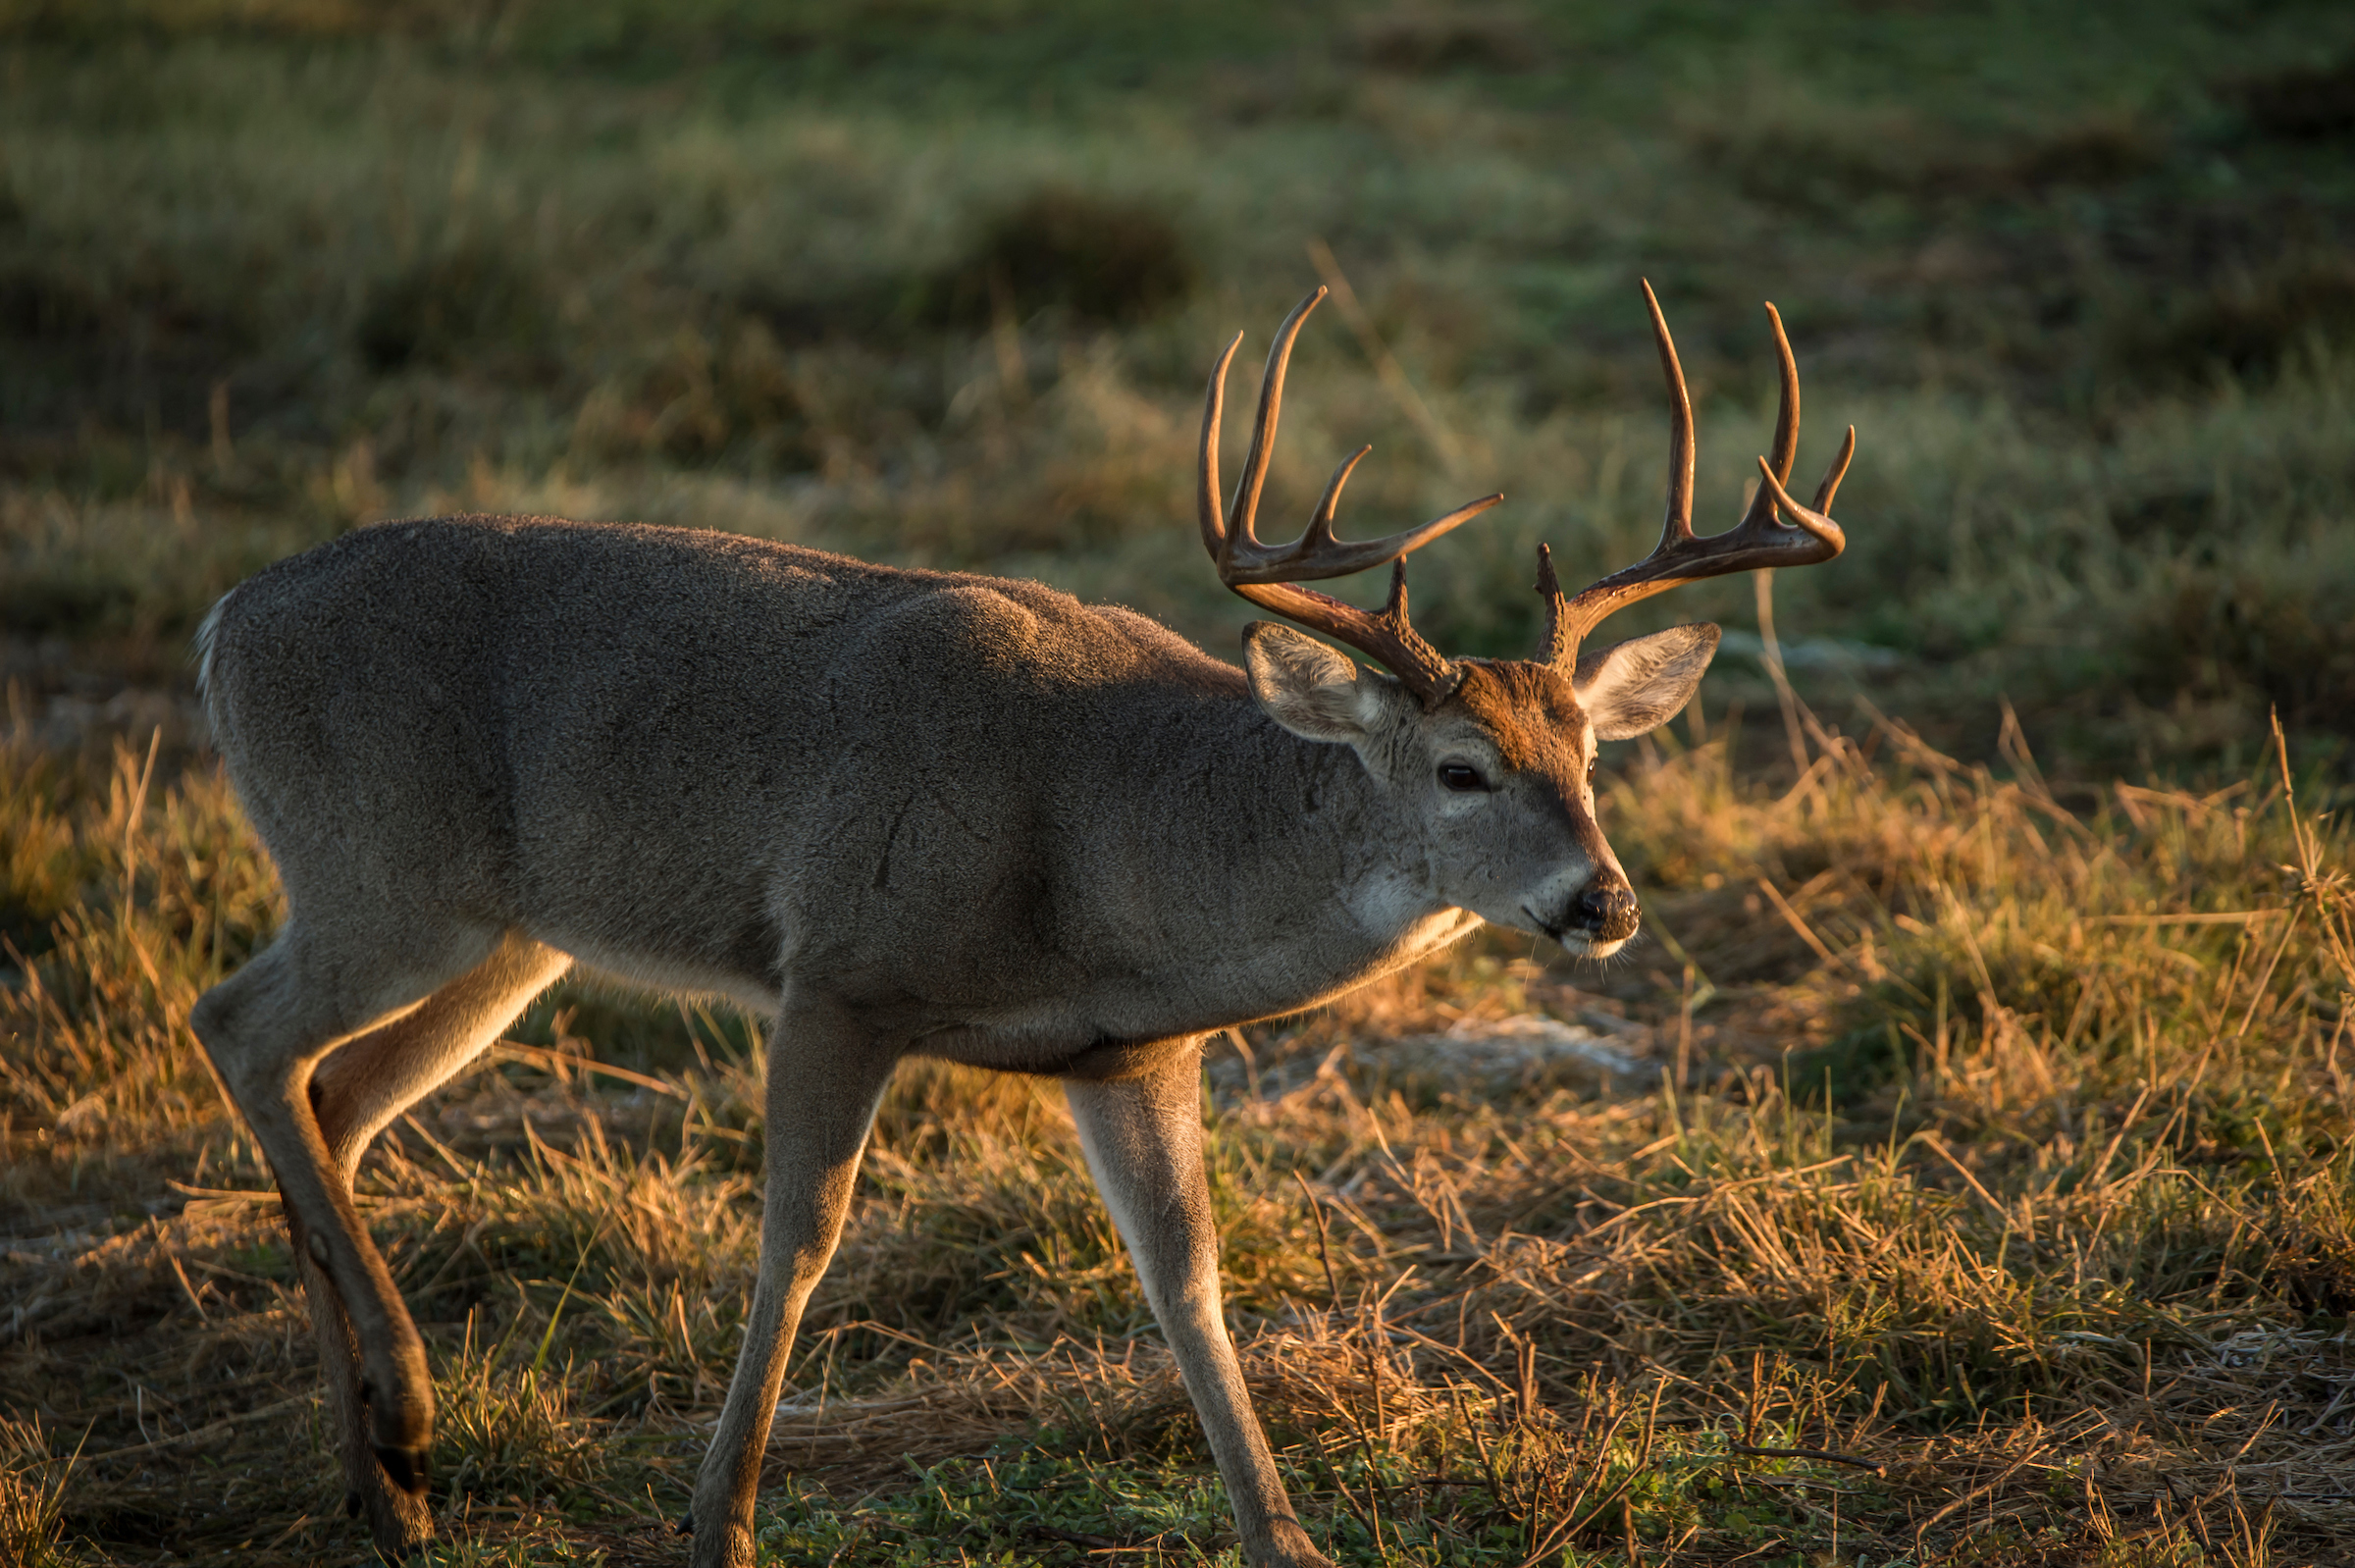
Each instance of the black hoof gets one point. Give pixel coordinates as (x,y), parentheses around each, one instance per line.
(686,1524)
(351,1505)
(406,1468)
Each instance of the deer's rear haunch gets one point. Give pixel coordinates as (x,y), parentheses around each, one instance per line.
(902,813)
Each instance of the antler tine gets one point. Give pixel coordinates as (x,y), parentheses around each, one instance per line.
(1758,539)
(1786,424)
(1682,447)
(1837,472)
(1266,575)
(1317,555)
(1245,510)
(1319,522)
(1556,641)
(1812,518)
(1205,489)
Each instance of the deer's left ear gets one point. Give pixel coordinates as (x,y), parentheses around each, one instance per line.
(1632,688)
(1304,686)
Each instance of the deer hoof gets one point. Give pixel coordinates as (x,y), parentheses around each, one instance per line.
(397,1521)
(405,1468)
(686,1524)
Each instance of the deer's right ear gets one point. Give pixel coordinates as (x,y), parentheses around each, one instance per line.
(1632,688)
(1303,685)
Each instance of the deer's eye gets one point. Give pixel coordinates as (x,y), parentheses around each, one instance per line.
(1461,776)
(1590,761)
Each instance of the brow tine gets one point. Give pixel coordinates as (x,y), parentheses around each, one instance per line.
(1679,522)
(1560,637)
(1206,490)
(1263,432)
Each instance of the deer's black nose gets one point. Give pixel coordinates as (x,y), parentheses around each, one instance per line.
(1605,911)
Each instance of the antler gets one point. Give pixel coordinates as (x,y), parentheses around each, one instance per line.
(1758,539)
(1265,574)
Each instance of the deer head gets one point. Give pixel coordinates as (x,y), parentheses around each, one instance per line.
(1495,758)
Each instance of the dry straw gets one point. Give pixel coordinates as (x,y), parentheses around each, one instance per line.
(2001,1202)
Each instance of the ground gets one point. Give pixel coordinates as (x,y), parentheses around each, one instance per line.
(1966,1176)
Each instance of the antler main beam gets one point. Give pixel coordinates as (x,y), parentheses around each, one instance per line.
(1758,539)
(1266,574)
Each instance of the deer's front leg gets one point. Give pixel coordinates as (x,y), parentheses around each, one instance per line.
(1143,1139)
(826,1076)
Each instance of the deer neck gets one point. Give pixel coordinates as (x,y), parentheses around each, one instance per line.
(1310,875)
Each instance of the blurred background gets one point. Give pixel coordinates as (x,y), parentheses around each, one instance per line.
(939,283)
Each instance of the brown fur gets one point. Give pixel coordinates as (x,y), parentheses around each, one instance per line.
(1532,713)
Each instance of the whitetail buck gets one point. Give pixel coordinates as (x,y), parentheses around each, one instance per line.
(905,813)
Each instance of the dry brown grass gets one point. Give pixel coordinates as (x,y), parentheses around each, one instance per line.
(1992,1202)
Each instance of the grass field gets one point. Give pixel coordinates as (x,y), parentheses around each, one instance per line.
(1982,1191)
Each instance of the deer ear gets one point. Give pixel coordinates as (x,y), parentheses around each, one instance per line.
(1632,688)
(1303,685)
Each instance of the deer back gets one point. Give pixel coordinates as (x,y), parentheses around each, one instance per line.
(696,759)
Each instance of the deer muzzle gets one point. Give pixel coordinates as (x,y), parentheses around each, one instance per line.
(1603,911)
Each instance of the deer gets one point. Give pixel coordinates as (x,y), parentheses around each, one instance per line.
(895,813)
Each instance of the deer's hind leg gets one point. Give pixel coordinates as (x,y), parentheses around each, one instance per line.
(358,1090)
(316,1089)
(366,1082)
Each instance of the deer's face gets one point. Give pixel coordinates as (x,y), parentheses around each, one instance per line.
(1492,761)
(1500,775)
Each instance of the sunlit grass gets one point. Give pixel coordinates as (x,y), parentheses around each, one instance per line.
(2000,1169)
